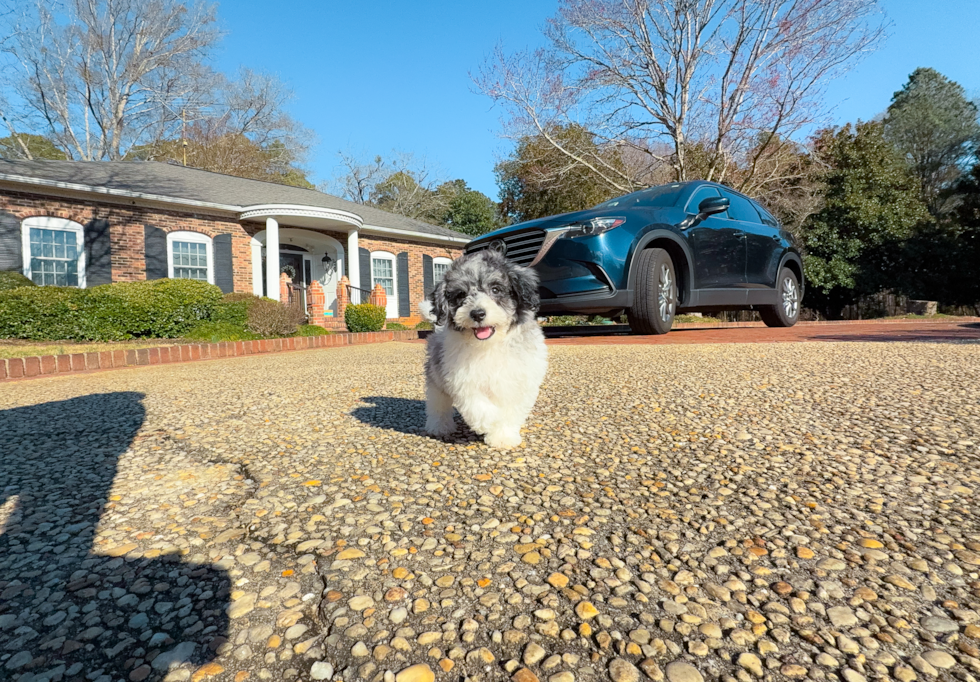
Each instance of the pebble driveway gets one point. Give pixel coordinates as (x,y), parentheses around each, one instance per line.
(682,513)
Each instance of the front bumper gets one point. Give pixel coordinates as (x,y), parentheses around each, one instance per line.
(576,275)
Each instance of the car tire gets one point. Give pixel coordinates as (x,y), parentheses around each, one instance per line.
(787,311)
(656,293)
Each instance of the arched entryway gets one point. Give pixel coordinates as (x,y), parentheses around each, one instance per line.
(304,255)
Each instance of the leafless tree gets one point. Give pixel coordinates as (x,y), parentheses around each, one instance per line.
(402,184)
(99,77)
(356,178)
(710,78)
(245,131)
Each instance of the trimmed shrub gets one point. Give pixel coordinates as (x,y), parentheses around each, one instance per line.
(10,279)
(271,318)
(365,317)
(310,330)
(215,332)
(233,308)
(396,326)
(164,309)
(424,324)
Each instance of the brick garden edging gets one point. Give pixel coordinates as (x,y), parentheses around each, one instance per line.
(48,365)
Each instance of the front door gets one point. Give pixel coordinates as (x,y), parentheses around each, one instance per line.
(295,268)
(718,244)
(762,244)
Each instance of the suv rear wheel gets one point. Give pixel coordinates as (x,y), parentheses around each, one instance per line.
(787,311)
(656,293)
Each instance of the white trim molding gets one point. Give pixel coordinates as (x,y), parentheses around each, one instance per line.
(368,229)
(298,211)
(194,238)
(61,225)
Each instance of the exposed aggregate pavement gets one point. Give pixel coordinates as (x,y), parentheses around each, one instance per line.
(681,513)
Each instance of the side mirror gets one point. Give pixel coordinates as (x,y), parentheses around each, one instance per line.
(712,205)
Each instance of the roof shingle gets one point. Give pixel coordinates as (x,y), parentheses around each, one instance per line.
(178,182)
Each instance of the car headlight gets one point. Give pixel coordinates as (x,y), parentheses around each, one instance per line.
(593,227)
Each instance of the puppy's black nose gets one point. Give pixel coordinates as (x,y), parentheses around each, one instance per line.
(478,314)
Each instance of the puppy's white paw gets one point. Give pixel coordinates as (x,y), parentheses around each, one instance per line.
(440,427)
(503,439)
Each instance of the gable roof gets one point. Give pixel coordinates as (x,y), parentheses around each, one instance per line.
(178,184)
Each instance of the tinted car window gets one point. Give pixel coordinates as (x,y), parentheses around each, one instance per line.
(741,209)
(700,194)
(662,196)
(767,218)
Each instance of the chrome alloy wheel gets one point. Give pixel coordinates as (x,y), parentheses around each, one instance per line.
(791,298)
(666,294)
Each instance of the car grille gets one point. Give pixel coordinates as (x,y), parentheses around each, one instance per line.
(522,246)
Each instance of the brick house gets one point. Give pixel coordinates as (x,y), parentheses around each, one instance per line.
(73,223)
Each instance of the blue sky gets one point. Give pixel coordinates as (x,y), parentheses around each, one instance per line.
(373,77)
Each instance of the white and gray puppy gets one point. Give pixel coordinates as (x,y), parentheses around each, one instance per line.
(487,355)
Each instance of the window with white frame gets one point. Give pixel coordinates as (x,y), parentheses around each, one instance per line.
(383,271)
(54,252)
(439,268)
(189,256)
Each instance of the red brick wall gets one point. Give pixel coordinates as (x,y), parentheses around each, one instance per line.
(126,229)
(126,234)
(415,252)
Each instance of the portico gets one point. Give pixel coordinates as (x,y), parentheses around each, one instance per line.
(292,229)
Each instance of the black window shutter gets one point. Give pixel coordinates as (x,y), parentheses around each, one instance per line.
(11,245)
(365,257)
(98,253)
(428,283)
(155,252)
(404,299)
(224,272)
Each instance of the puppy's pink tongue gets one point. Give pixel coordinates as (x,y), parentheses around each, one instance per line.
(483,333)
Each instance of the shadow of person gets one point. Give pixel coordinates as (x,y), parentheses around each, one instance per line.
(68,612)
(405,416)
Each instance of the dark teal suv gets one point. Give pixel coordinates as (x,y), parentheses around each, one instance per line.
(685,247)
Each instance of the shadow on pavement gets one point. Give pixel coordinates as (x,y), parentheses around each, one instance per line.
(66,611)
(406,415)
(960,333)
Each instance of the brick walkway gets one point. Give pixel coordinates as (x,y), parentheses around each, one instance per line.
(937,332)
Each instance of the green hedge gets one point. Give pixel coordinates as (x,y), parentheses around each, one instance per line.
(233,308)
(164,308)
(365,317)
(12,280)
(215,332)
(310,330)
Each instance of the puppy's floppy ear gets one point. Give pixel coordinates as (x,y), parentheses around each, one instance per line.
(525,284)
(434,308)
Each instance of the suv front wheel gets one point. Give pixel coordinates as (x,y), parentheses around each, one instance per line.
(656,293)
(787,311)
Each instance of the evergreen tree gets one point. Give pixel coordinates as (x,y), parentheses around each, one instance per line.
(871,205)
(935,127)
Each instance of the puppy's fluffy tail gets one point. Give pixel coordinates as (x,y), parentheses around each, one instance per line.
(425,307)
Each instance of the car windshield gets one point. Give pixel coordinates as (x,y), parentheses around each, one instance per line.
(662,195)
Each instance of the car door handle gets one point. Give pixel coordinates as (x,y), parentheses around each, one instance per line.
(739,235)
(775,237)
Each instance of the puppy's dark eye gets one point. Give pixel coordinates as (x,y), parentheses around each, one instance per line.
(496,290)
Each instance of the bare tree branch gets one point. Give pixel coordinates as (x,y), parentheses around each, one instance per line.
(716,80)
(96,76)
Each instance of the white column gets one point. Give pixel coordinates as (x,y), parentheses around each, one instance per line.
(354,257)
(272,258)
(256,267)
